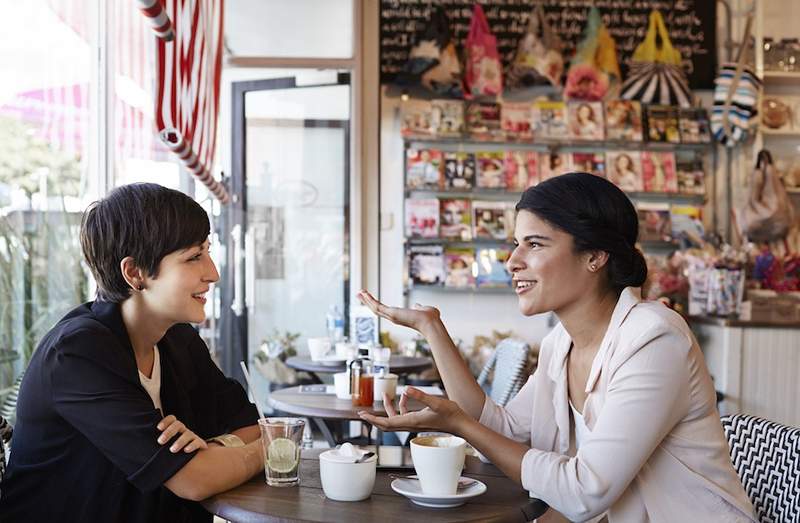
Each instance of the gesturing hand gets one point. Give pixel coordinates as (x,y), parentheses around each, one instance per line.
(188,440)
(439,414)
(418,318)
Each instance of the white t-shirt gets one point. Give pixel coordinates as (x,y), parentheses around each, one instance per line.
(153,384)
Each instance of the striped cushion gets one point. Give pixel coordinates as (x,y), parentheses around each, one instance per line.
(766,455)
(5,437)
(508,361)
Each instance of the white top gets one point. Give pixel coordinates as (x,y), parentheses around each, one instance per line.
(581,430)
(656,451)
(153,384)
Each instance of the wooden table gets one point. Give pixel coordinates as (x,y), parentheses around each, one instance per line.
(320,407)
(400,365)
(254,501)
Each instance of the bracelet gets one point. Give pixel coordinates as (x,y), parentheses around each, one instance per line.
(227,440)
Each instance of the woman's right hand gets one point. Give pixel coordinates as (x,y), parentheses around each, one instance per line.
(188,441)
(418,318)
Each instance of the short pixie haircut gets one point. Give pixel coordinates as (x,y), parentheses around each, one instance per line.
(144,221)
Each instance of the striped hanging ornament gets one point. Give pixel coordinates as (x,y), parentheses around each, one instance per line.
(188,85)
(154,11)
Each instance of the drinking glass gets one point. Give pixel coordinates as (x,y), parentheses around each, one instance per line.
(281,439)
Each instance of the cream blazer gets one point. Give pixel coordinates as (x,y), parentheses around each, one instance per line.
(656,451)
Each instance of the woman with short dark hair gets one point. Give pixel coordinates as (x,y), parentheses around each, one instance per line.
(121,394)
(619,420)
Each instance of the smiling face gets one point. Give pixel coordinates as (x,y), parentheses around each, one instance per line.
(547,273)
(178,293)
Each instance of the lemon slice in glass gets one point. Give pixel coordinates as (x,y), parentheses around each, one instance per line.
(282,455)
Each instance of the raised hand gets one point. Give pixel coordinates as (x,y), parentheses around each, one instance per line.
(418,318)
(188,440)
(439,414)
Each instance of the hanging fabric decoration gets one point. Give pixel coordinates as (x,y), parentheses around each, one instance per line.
(538,60)
(153,10)
(188,85)
(768,214)
(656,75)
(594,69)
(484,72)
(433,60)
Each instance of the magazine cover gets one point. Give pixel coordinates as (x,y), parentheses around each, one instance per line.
(422,218)
(423,169)
(624,120)
(521,170)
(694,125)
(690,174)
(455,219)
(492,270)
(448,118)
(687,224)
(490,170)
(550,120)
(483,121)
(594,163)
(459,171)
(624,169)
(426,265)
(654,222)
(586,120)
(492,220)
(459,267)
(658,172)
(553,164)
(662,124)
(516,120)
(416,118)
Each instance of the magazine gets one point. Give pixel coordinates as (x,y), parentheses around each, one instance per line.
(422,218)
(624,169)
(694,125)
(624,120)
(516,119)
(654,222)
(553,164)
(490,170)
(492,220)
(448,118)
(662,124)
(687,224)
(416,118)
(423,169)
(459,267)
(594,163)
(521,170)
(483,121)
(455,219)
(459,171)
(586,120)
(492,270)
(426,265)
(658,172)
(690,174)
(550,120)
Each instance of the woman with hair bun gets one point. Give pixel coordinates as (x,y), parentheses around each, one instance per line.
(619,421)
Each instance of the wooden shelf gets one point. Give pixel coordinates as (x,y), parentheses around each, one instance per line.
(543,144)
(460,290)
(781,78)
(447,242)
(777,132)
(501,195)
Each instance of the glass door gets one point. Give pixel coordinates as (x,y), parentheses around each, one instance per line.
(286,232)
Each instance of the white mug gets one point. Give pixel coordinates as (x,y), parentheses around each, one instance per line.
(385,383)
(341,384)
(438,461)
(344,480)
(319,348)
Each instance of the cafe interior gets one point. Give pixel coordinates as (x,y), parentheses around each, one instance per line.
(370,171)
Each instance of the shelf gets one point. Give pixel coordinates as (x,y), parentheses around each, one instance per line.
(478,242)
(457,143)
(659,245)
(781,77)
(500,195)
(460,290)
(789,133)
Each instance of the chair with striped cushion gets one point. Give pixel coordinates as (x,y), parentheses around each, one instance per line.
(5,437)
(508,360)
(766,455)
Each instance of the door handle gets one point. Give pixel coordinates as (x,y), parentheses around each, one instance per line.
(237,305)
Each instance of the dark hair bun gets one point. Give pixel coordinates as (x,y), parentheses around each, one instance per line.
(627,271)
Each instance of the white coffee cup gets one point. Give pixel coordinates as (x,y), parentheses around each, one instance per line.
(341,384)
(319,348)
(344,480)
(438,461)
(385,383)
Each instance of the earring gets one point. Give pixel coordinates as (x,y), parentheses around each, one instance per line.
(140,287)
(593,268)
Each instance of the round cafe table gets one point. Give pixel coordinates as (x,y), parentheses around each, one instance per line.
(255,501)
(400,365)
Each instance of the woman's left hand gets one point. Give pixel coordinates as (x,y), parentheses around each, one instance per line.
(188,440)
(440,414)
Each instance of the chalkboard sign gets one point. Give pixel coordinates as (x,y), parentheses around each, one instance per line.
(691,24)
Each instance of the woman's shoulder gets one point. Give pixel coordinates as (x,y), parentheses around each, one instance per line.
(651,323)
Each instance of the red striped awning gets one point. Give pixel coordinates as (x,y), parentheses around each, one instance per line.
(188,73)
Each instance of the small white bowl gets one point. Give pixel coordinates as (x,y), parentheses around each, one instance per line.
(346,481)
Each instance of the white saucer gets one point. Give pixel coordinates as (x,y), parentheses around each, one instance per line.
(411,488)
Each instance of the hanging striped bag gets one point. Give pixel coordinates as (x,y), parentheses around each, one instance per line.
(734,116)
(656,75)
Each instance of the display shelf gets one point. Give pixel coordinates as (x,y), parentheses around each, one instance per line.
(459,290)
(446,242)
(500,195)
(781,78)
(543,144)
(790,133)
